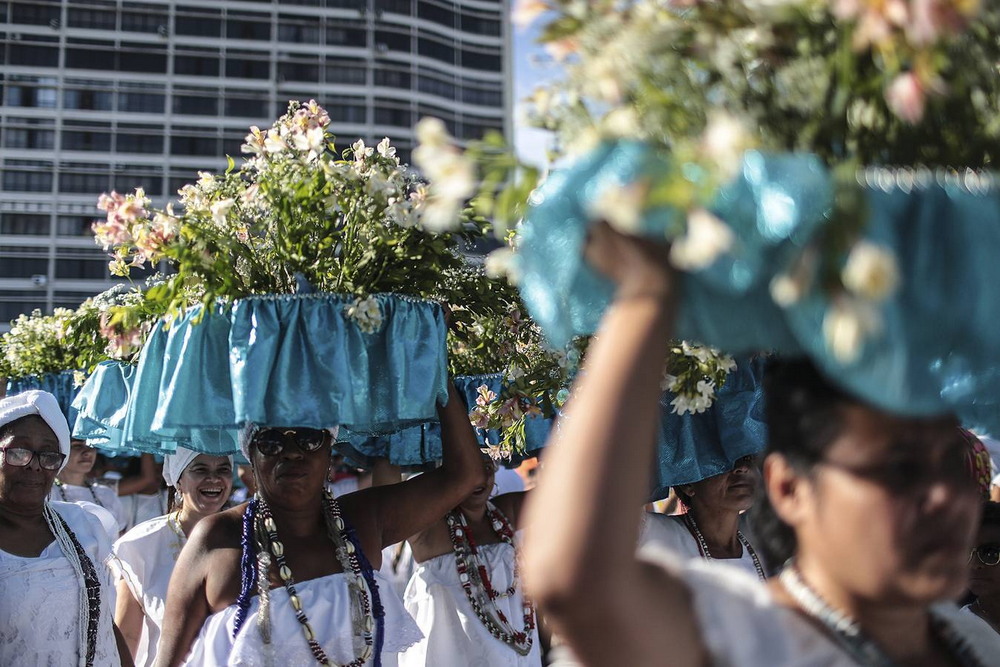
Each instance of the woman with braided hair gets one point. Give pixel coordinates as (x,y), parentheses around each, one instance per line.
(51,552)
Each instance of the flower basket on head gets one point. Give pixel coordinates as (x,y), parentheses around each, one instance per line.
(318,290)
(56,353)
(822,172)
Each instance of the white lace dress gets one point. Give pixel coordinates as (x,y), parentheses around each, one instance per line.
(144,558)
(454,635)
(327,604)
(39,598)
(103,496)
(743,626)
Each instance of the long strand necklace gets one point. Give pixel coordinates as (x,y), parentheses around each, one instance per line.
(703,545)
(89,609)
(88,485)
(365,608)
(482,596)
(848,634)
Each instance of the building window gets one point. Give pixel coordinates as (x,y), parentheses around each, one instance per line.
(35,13)
(247,66)
(404,7)
(197,105)
(202,24)
(481,25)
(352,72)
(23,261)
(143,18)
(436,50)
(393,116)
(298,31)
(138,143)
(347,35)
(93,19)
(344,112)
(181,144)
(485,61)
(435,13)
(84,183)
(128,177)
(29,54)
(15,180)
(392,78)
(91,100)
(140,102)
(24,224)
(91,57)
(391,40)
(192,65)
(248,27)
(80,264)
(299,70)
(74,225)
(10,308)
(142,58)
(86,141)
(246,107)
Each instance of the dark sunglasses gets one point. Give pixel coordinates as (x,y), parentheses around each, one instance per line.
(988,554)
(272,441)
(20,457)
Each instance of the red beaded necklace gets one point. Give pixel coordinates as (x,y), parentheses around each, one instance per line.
(475,580)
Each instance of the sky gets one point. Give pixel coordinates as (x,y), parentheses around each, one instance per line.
(531,68)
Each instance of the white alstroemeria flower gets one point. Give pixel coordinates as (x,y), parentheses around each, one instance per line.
(668,382)
(724,142)
(385,149)
(360,151)
(705,239)
(274,141)
(366,313)
(206,181)
(727,363)
(871,271)
(312,142)
(846,325)
(621,206)
(220,210)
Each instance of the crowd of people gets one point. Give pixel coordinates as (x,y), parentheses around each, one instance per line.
(851,540)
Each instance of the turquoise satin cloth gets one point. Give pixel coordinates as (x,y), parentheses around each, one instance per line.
(693,447)
(938,352)
(421,444)
(62,385)
(288,360)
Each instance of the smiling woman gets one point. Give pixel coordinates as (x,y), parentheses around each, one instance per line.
(48,548)
(145,556)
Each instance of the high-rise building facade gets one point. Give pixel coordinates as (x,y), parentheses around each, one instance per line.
(111,94)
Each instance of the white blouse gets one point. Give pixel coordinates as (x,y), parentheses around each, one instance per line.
(661,531)
(454,635)
(144,559)
(742,625)
(327,604)
(39,599)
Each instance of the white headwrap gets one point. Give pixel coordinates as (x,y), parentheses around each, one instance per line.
(175,464)
(43,404)
(249,430)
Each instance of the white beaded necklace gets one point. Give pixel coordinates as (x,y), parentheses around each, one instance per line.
(703,545)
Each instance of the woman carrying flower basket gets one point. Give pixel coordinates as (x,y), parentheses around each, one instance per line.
(875,512)
(321,554)
(466,593)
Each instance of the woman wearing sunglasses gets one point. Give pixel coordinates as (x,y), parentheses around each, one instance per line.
(144,557)
(56,593)
(872,514)
(984,563)
(291,577)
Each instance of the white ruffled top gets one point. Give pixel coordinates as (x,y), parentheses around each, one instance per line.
(454,635)
(327,603)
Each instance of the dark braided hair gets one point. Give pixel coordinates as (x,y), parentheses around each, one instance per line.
(248,566)
(803,411)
